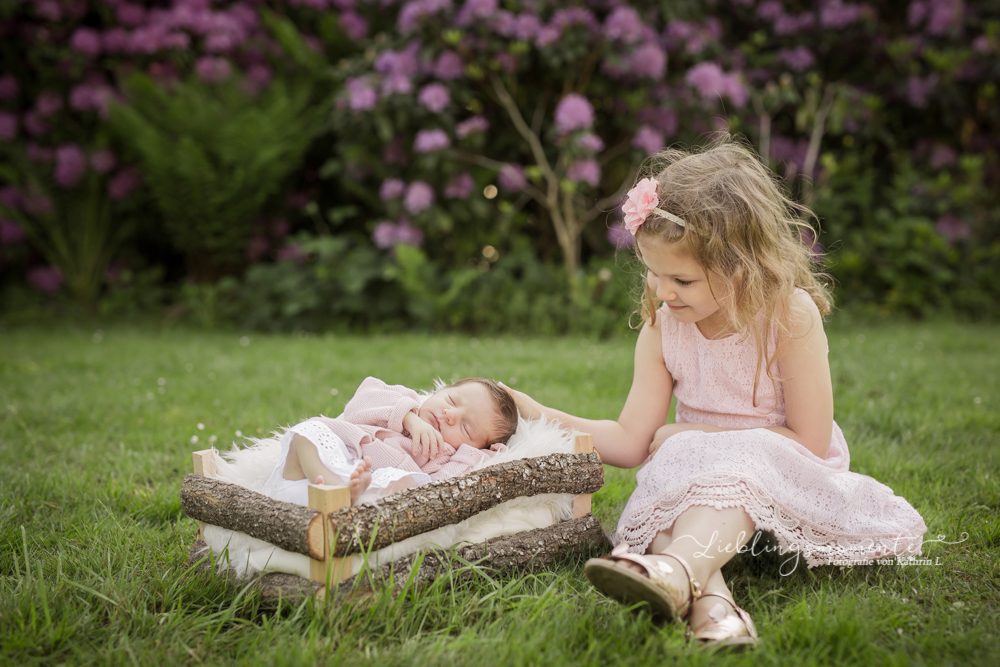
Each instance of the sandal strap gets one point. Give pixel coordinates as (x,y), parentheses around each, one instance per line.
(694,584)
(740,614)
(656,570)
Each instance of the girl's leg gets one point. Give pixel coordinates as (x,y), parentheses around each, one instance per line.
(706,538)
(303,462)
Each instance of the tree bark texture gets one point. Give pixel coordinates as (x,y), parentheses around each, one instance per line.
(422,509)
(527,550)
(231,506)
(399,516)
(530,549)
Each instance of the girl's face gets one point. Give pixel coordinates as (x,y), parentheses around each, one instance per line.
(463,414)
(682,284)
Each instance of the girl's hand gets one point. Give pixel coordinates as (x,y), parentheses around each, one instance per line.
(526,405)
(426,439)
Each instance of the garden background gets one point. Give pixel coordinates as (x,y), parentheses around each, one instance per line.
(183,183)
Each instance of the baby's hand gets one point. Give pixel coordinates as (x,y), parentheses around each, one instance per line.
(426,439)
(498,447)
(526,405)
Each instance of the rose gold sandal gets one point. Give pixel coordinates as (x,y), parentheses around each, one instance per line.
(653,588)
(723,630)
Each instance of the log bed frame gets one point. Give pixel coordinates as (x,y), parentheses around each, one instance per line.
(329,530)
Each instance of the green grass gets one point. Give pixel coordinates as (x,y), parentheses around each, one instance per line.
(95,435)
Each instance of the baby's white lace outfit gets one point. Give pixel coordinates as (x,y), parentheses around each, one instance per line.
(813,506)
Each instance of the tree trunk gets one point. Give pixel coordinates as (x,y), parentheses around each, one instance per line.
(416,511)
(231,506)
(530,549)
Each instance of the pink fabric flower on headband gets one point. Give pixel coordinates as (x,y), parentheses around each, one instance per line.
(641,201)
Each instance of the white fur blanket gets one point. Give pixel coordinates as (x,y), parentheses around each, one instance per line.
(250,467)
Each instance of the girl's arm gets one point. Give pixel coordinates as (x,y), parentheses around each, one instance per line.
(623,443)
(808,389)
(805,371)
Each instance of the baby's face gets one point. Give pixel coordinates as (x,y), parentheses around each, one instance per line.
(463,414)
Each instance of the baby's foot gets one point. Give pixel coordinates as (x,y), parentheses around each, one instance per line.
(361,478)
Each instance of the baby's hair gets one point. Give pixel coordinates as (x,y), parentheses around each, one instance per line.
(740,225)
(506,422)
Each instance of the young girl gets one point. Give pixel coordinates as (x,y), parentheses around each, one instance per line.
(739,341)
(389,439)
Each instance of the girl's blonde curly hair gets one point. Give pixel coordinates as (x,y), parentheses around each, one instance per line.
(742,227)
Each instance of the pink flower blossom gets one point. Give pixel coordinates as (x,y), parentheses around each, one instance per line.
(9,87)
(623,24)
(394,153)
(387,234)
(590,143)
(213,70)
(419,197)
(435,97)
(415,11)
(355,26)
(475,11)
(10,232)
(649,61)
(392,188)
(130,15)
(124,182)
(8,126)
(585,171)
(647,139)
(546,36)
(257,248)
(258,77)
(712,83)
(620,237)
(86,41)
(952,227)
(10,197)
(360,95)
(799,59)
(46,279)
(943,156)
(396,83)
(71,165)
(448,66)
(460,187)
(526,27)
(48,103)
(836,15)
(430,141)
(661,118)
(402,63)
(512,178)
(115,40)
(640,202)
(35,124)
(36,203)
(91,96)
(40,154)
(573,113)
(291,252)
(918,90)
(103,161)
(471,126)
(786,24)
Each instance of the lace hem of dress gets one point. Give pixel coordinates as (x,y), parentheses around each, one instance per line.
(328,444)
(818,545)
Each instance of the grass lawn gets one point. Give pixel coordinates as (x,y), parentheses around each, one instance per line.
(96,430)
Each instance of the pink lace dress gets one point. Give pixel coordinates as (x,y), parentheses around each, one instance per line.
(815,507)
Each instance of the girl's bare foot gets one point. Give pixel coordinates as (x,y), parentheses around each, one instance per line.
(361,478)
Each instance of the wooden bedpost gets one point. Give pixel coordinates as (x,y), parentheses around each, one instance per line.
(204,464)
(326,499)
(584,444)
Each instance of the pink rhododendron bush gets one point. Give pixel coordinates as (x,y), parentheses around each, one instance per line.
(470,159)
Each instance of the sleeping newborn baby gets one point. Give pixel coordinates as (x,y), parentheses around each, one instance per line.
(388,439)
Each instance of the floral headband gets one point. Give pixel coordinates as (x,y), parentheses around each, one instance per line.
(642,201)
